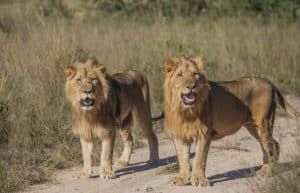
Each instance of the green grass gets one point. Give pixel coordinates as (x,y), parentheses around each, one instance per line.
(34,47)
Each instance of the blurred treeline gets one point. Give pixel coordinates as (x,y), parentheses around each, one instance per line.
(149,10)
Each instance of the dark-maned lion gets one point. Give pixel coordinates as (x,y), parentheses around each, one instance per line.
(202,110)
(102,103)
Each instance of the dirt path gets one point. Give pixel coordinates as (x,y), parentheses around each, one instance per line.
(231,166)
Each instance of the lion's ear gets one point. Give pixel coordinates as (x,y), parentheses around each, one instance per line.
(100,68)
(199,62)
(169,66)
(69,72)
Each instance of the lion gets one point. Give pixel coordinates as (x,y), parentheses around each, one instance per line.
(102,104)
(200,110)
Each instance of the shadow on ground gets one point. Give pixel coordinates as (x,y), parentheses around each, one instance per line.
(142,166)
(249,172)
(222,177)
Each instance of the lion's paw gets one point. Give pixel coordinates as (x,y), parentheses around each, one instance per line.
(83,175)
(121,163)
(265,171)
(203,182)
(107,173)
(179,181)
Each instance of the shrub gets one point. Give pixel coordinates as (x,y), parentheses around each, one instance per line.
(53,8)
(193,8)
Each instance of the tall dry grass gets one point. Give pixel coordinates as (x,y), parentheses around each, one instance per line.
(288,182)
(35,119)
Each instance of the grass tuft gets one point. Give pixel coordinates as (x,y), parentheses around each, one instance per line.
(169,169)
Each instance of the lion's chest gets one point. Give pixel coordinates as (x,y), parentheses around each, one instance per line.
(180,127)
(89,130)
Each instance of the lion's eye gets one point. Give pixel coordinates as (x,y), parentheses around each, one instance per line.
(78,80)
(197,75)
(180,75)
(94,80)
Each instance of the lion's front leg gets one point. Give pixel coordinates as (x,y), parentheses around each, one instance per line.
(106,170)
(199,163)
(183,155)
(87,148)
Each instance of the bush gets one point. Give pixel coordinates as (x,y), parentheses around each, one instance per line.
(193,8)
(53,8)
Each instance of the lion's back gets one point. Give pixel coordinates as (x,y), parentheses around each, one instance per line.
(130,78)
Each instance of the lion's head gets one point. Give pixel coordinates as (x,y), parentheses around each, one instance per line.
(185,81)
(186,89)
(86,85)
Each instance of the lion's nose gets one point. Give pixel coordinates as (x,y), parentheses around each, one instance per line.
(87,91)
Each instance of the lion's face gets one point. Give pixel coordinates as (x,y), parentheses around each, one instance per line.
(86,86)
(186,77)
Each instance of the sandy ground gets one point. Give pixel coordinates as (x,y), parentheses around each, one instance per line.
(231,166)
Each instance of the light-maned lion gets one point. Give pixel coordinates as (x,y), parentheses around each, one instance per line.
(101,104)
(200,110)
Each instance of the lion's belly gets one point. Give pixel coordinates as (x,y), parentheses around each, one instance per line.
(225,128)
(228,115)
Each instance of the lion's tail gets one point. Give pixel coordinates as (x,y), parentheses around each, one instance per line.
(285,105)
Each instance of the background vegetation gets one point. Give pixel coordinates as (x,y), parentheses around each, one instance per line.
(39,38)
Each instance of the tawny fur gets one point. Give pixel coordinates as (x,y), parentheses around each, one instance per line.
(118,99)
(220,109)
(182,122)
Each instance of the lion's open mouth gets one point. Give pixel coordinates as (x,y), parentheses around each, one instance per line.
(189,98)
(87,102)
